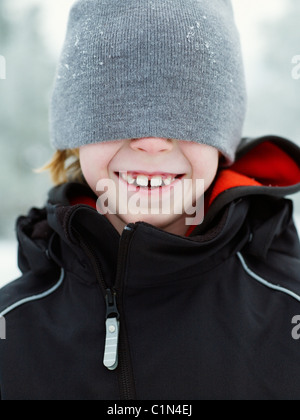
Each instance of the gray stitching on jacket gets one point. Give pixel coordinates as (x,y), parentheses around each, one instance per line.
(265,282)
(35,297)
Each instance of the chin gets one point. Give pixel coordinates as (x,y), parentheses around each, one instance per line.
(158,220)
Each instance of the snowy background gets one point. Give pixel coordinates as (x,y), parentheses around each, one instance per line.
(31,37)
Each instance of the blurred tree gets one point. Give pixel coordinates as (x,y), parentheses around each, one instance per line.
(24,101)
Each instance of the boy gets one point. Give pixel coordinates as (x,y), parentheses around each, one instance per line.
(150,94)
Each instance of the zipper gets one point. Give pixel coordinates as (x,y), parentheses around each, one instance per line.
(116,351)
(110,360)
(126,378)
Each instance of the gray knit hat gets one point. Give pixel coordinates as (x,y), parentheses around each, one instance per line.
(150,68)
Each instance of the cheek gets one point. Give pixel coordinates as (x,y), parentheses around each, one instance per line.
(204,161)
(87,165)
(93,164)
(207,166)
(207,170)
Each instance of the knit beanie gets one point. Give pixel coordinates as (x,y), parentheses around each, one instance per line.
(150,68)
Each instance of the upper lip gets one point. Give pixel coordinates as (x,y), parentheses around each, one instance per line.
(152,174)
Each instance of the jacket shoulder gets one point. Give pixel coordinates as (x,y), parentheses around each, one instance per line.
(278,273)
(272,255)
(29,288)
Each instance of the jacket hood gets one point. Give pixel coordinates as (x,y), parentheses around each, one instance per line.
(244,199)
(268,166)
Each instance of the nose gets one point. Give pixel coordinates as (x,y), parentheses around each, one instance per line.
(152,145)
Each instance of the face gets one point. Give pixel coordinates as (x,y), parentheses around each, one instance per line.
(143,175)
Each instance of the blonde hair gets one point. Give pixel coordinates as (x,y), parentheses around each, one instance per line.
(64,167)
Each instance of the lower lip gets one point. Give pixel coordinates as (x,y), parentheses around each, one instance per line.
(146,190)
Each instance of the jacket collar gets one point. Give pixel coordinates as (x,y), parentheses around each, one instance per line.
(187,256)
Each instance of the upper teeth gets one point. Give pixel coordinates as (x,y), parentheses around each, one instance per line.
(143,180)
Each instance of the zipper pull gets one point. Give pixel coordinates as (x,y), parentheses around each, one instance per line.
(110,360)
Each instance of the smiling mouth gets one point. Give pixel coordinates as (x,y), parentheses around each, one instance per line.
(149,182)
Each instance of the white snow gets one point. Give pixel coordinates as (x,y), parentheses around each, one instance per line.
(8,262)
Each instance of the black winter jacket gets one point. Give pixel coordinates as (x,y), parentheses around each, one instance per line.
(204,317)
